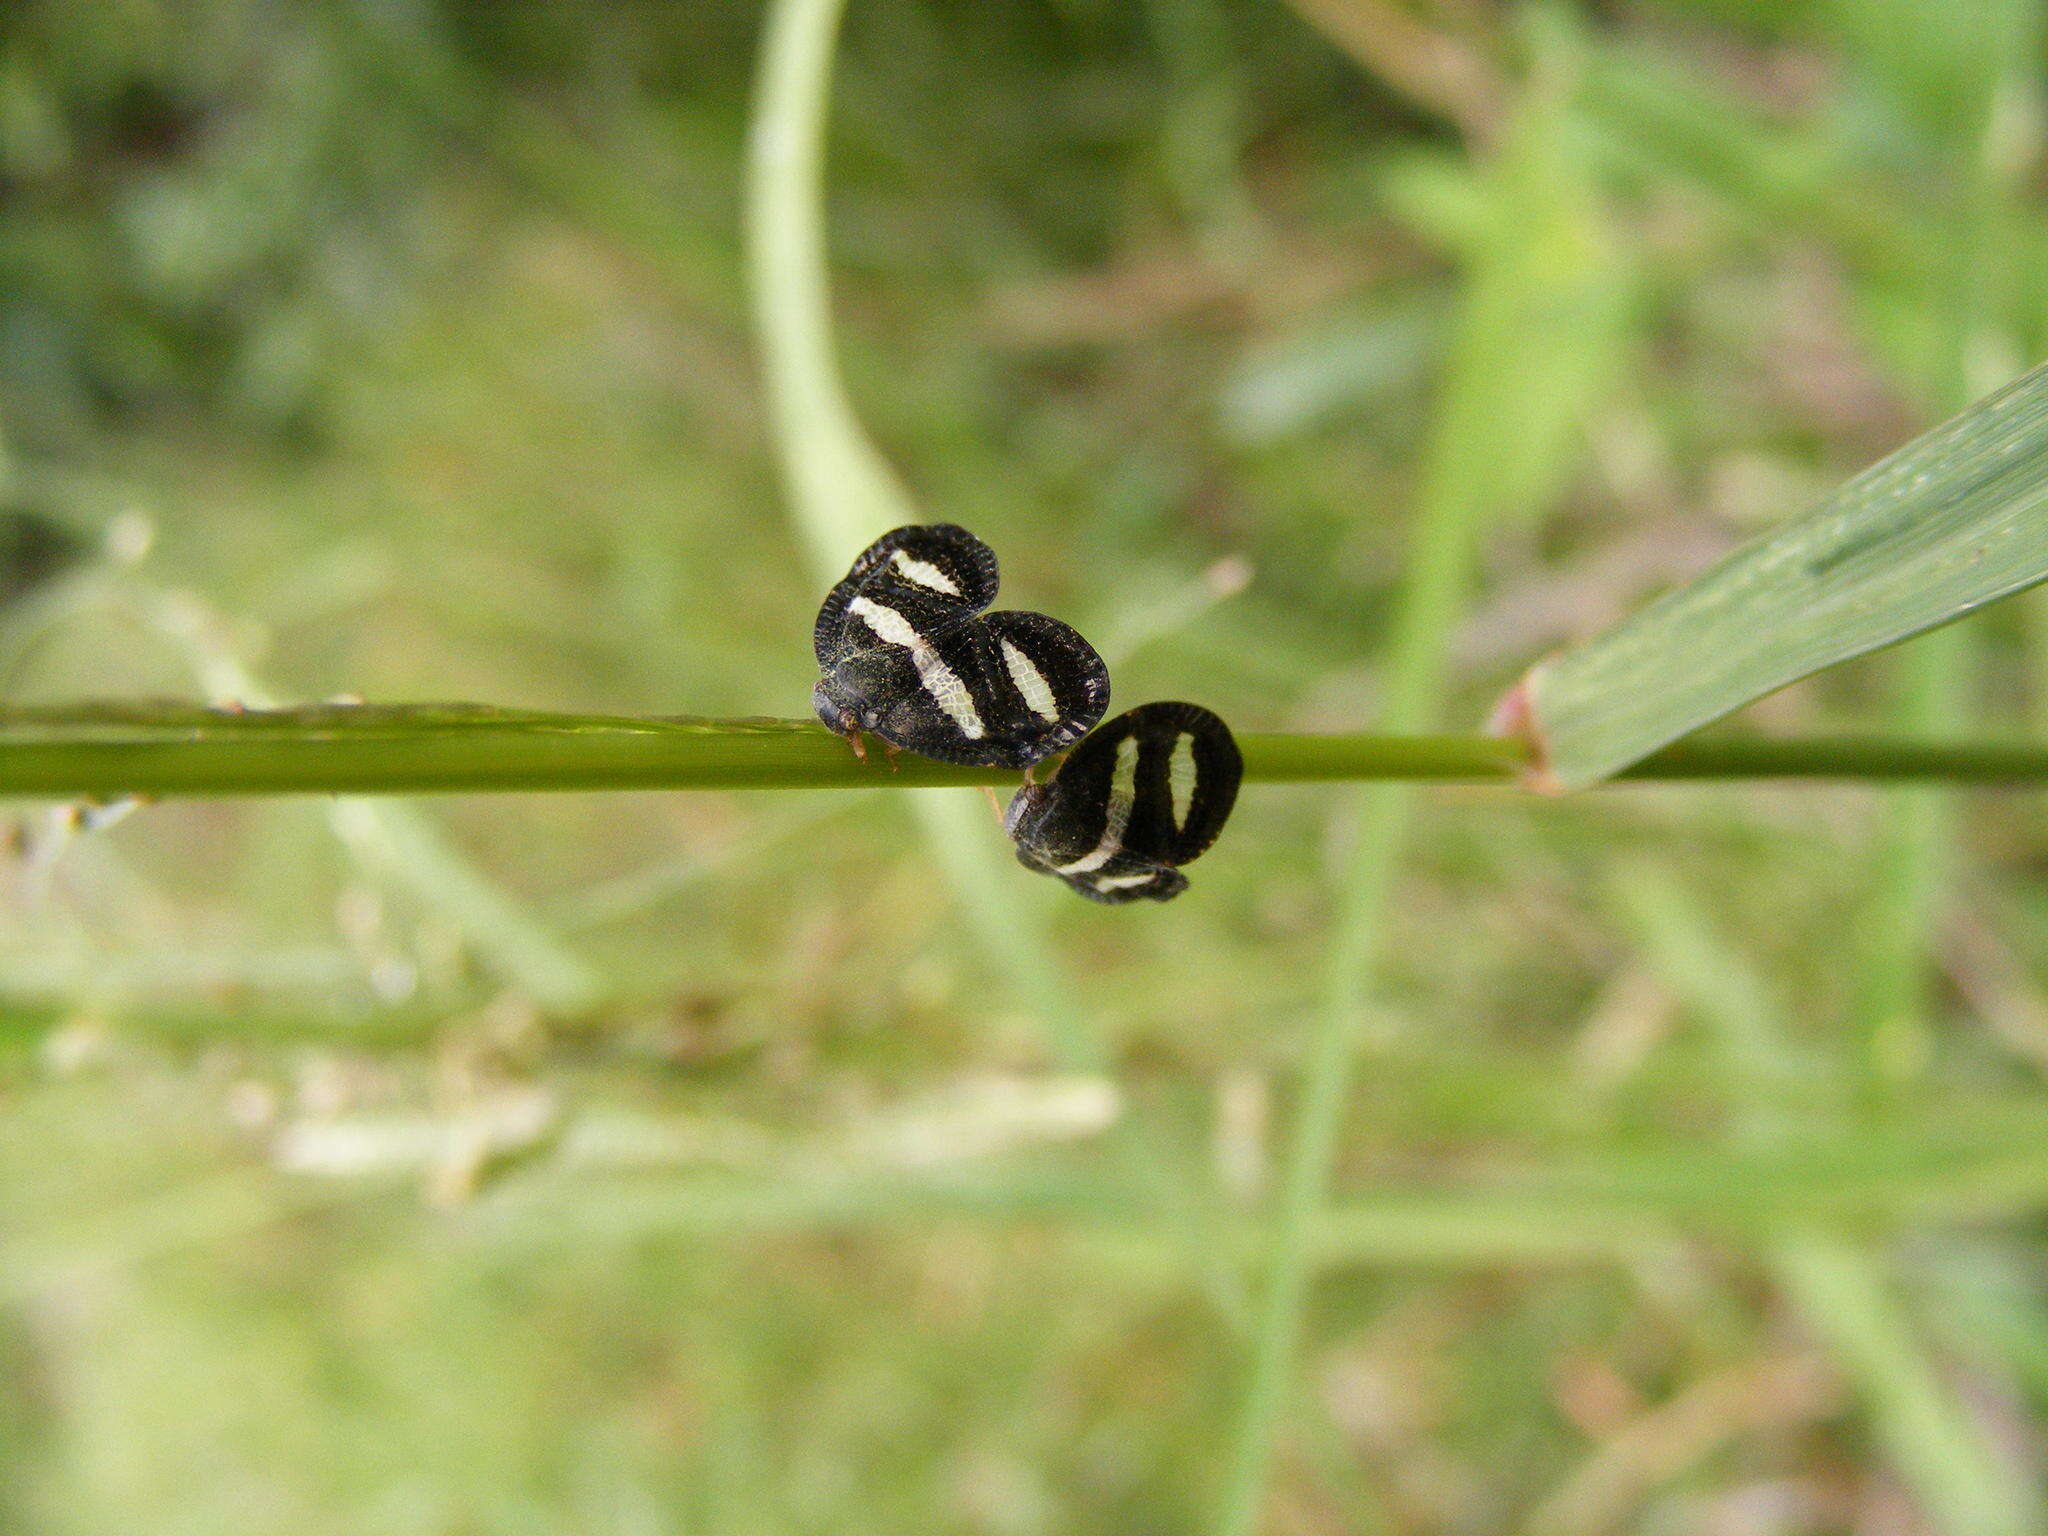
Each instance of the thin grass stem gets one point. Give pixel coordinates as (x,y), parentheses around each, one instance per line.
(104,752)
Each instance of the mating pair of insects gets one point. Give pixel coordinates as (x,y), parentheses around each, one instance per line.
(910,654)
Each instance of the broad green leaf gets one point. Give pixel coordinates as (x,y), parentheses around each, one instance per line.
(1956,519)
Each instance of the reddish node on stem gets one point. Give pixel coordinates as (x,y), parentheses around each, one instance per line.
(1514,718)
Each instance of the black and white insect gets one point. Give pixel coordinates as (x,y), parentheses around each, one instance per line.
(1141,796)
(909,654)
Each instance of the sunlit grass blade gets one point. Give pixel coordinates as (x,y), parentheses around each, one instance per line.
(1597,1205)
(651,886)
(413,854)
(843,492)
(1546,246)
(202,1213)
(1953,521)
(1944,73)
(104,751)
(1844,1297)
(1840,1288)
(1685,124)
(188,749)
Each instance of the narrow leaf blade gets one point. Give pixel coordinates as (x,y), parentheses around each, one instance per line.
(1956,519)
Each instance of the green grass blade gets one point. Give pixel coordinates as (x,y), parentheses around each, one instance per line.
(414,854)
(1841,1290)
(400,845)
(1678,123)
(1946,74)
(1954,520)
(1544,249)
(105,751)
(1987,1162)
(843,491)
(1843,1297)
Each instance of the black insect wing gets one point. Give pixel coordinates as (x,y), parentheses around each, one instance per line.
(1146,793)
(908,654)
(938,574)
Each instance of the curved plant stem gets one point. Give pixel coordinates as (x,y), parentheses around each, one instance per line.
(110,750)
(842,491)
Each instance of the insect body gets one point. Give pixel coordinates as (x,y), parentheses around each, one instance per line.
(909,654)
(1144,794)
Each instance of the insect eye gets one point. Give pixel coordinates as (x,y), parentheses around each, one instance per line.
(1143,795)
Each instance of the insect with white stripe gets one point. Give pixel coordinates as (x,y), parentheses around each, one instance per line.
(908,653)
(1143,795)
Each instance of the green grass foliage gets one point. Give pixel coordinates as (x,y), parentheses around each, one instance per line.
(1448,1160)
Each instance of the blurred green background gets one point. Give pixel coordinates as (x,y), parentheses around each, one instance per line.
(681,1164)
